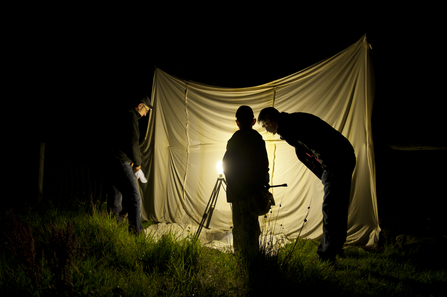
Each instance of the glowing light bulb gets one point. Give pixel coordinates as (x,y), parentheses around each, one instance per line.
(219,168)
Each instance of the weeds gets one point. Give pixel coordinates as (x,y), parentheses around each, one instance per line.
(20,241)
(84,252)
(62,248)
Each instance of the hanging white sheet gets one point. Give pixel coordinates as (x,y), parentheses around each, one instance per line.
(192,122)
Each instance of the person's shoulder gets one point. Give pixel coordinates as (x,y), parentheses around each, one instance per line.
(237,136)
(297,114)
(245,135)
(251,135)
(255,133)
(301,116)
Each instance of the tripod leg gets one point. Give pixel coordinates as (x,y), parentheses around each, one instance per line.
(206,215)
(210,207)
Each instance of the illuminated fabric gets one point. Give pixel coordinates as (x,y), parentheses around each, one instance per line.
(192,122)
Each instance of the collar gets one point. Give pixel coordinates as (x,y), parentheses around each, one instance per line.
(280,124)
(136,113)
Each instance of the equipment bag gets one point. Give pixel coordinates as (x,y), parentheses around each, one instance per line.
(260,202)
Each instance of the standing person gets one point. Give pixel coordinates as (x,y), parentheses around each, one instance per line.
(245,165)
(330,156)
(124,163)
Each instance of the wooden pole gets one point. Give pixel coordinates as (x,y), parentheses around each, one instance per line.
(41,166)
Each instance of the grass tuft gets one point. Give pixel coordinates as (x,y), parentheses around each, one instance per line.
(79,250)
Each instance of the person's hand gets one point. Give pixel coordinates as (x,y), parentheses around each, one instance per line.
(136,169)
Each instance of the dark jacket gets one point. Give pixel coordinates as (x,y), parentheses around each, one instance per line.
(245,164)
(317,144)
(125,137)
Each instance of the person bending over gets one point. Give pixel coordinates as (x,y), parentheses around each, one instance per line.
(330,156)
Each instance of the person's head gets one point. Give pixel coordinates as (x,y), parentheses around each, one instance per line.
(245,117)
(144,106)
(268,119)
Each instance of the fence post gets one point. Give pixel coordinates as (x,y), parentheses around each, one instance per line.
(41,166)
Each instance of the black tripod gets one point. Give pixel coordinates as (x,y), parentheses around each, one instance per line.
(211,205)
(213,200)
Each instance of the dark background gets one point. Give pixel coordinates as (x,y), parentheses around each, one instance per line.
(84,62)
(74,67)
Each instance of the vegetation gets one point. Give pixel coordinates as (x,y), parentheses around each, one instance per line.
(81,251)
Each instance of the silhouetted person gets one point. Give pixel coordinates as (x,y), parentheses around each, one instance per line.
(125,160)
(245,165)
(330,156)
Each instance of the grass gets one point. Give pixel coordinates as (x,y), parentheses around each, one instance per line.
(78,250)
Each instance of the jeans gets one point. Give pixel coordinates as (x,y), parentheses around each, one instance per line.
(337,189)
(124,195)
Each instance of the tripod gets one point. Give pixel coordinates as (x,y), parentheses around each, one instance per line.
(211,205)
(213,200)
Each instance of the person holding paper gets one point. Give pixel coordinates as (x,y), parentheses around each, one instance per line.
(124,166)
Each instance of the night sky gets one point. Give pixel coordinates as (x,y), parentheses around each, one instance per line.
(84,64)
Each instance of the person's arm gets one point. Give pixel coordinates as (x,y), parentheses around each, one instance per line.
(309,161)
(260,165)
(135,144)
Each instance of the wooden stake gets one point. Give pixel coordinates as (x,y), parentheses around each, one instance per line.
(41,166)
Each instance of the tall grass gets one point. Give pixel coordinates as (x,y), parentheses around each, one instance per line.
(81,251)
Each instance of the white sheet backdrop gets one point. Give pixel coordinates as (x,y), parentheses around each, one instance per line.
(191,123)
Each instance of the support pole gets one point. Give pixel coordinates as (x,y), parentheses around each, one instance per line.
(41,167)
